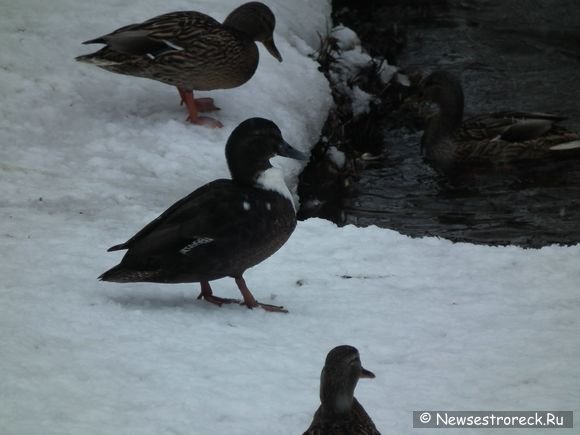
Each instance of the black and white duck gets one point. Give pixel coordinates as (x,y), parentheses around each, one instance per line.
(224,227)
(451,142)
(191,51)
(339,412)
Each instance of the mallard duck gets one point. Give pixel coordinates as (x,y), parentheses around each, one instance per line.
(191,51)
(224,227)
(498,138)
(339,412)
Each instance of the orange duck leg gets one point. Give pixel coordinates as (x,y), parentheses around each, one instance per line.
(194,106)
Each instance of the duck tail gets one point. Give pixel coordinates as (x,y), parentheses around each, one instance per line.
(99,40)
(85,58)
(572,145)
(94,59)
(120,274)
(118,247)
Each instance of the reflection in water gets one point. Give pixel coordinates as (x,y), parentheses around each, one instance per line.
(528,64)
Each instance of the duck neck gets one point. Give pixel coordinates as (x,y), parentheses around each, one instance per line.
(336,399)
(447,121)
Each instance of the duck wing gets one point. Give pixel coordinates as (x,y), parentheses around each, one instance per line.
(219,213)
(508,126)
(167,32)
(201,212)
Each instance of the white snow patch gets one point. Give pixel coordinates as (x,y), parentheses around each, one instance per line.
(361,101)
(246,205)
(350,59)
(301,46)
(388,71)
(346,38)
(336,156)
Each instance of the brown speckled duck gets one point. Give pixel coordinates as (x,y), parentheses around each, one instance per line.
(339,412)
(450,142)
(191,51)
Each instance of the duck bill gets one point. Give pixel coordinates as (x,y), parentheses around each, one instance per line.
(271,47)
(366,374)
(286,150)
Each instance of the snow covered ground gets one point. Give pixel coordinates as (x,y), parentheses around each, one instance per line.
(87,157)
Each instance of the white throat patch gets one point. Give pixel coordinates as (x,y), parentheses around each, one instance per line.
(272,179)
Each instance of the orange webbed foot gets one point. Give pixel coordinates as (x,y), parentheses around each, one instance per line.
(207,294)
(194,106)
(206,121)
(251,302)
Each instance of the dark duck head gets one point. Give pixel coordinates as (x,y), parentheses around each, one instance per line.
(257,21)
(248,152)
(338,379)
(444,90)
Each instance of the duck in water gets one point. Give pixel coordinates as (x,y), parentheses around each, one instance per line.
(449,142)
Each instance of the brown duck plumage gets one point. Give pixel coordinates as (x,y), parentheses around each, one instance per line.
(340,413)
(497,138)
(191,51)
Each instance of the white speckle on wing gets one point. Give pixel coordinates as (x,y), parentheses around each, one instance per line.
(246,205)
(196,242)
(566,146)
(272,179)
(268,206)
(172,45)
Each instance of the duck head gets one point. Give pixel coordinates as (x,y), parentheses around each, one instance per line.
(256,20)
(251,146)
(444,89)
(339,377)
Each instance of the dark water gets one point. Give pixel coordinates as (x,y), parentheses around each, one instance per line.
(511,54)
